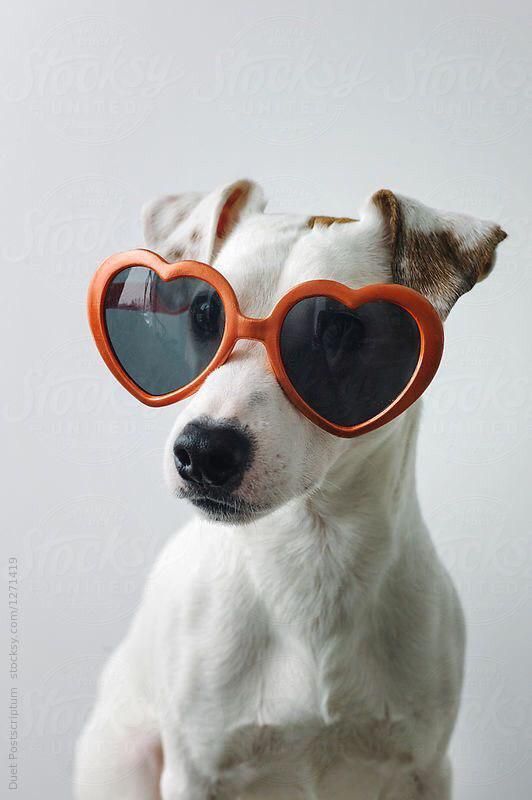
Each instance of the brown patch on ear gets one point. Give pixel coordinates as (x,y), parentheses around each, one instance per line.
(327,221)
(440,264)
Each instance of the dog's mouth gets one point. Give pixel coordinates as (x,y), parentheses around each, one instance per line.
(227,509)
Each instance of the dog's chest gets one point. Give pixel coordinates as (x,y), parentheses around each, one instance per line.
(290,685)
(289,733)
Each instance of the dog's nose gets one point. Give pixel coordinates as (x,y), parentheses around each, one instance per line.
(212,454)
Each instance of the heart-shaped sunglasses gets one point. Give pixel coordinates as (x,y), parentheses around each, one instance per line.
(350,360)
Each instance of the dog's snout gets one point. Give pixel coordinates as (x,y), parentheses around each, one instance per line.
(212,454)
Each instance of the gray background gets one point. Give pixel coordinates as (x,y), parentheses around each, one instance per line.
(107,105)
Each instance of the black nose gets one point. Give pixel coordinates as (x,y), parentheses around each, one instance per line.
(212,454)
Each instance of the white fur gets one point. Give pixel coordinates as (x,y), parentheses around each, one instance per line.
(315,651)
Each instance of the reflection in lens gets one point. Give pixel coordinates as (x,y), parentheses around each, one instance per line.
(164,333)
(349,365)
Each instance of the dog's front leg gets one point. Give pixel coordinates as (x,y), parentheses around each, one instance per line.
(429,784)
(435,784)
(177,784)
(180,780)
(182,784)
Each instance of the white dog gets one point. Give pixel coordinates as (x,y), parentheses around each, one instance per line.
(302,639)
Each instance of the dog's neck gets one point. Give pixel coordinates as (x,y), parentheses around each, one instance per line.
(328,554)
(376,472)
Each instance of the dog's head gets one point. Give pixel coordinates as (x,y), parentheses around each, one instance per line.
(239,448)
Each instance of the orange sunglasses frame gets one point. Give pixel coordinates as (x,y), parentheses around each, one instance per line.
(268,331)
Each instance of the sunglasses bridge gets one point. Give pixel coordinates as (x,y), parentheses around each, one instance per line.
(252,328)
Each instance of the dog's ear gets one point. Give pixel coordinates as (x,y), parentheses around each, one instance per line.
(440,254)
(194,225)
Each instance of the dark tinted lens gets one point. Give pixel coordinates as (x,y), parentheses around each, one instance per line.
(349,365)
(163,333)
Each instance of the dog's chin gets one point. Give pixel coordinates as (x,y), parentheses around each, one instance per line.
(231,511)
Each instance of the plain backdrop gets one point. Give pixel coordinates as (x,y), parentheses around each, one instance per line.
(105,105)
